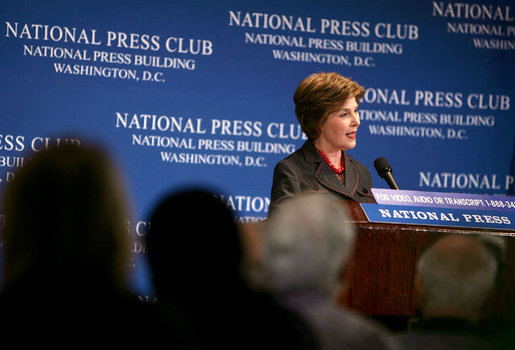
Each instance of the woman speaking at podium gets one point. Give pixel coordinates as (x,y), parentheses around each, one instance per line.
(326,106)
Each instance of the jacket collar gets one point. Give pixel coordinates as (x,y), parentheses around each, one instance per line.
(325,175)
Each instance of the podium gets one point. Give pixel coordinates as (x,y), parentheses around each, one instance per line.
(381,270)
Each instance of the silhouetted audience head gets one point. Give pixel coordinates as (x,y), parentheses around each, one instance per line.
(66,255)
(195,253)
(306,244)
(457,274)
(66,215)
(193,242)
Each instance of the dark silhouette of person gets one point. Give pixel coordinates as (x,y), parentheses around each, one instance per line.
(195,254)
(66,255)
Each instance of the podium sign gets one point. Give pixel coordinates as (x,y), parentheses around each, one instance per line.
(441,209)
(439,216)
(444,200)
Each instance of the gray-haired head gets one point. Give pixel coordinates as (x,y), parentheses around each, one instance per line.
(306,244)
(457,274)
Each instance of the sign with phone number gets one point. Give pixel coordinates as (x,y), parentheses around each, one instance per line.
(443,200)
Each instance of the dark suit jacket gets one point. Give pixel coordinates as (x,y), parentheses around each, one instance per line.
(306,171)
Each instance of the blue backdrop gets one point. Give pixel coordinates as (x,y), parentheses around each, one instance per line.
(200,92)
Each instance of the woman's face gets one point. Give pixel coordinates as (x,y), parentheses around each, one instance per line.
(338,132)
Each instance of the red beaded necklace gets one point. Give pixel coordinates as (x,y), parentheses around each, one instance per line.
(337,171)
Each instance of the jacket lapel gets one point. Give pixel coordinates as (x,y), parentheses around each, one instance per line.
(325,175)
(351,177)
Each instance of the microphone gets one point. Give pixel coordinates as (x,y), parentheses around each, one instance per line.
(385,171)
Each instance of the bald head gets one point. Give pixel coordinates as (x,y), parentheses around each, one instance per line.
(457,273)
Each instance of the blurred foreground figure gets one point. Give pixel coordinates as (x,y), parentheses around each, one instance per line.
(195,254)
(306,244)
(454,278)
(65,255)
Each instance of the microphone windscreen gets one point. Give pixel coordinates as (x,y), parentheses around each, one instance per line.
(382,166)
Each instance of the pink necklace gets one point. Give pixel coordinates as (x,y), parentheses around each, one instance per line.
(337,171)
